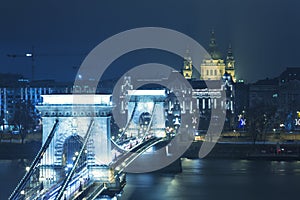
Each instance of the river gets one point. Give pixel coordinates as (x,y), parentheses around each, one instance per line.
(200,179)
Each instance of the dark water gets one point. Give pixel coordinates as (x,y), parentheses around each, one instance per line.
(220,179)
(11,172)
(200,179)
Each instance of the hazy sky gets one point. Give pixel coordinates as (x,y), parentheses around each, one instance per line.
(265,34)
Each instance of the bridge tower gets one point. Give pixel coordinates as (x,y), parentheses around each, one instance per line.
(74,114)
(146,114)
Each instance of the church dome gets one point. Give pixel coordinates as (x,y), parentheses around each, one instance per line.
(216,55)
(213,48)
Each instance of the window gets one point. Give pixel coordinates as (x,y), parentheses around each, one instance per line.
(215,72)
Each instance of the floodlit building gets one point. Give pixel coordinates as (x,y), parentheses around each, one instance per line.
(214,67)
(214,87)
(16,90)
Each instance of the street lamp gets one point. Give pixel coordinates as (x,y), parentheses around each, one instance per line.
(27,169)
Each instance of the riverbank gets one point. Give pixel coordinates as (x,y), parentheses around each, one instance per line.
(248,151)
(222,150)
(16,150)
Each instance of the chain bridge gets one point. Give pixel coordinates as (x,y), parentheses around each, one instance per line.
(78,158)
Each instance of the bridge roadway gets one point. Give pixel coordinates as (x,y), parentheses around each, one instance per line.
(125,160)
(76,189)
(74,186)
(92,191)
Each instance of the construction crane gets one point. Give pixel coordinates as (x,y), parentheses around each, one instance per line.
(30,55)
(33,56)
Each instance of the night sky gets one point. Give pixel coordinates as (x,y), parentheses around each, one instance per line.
(264,33)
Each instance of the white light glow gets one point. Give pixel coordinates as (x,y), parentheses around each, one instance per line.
(146,92)
(69,165)
(76,99)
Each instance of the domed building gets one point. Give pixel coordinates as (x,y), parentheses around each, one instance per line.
(213,88)
(213,67)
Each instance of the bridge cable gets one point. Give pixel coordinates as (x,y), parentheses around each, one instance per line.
(150,123)
(130,156)
(34,164)
(96,192)
(129,121)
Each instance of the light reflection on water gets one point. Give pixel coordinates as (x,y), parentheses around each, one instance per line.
(200,179)
(219,179)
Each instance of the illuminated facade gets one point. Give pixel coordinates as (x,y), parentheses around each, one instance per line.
(204,96)
(187,70)
(76,114)
(214,67)
(217,77)
(230,64)
(17,89)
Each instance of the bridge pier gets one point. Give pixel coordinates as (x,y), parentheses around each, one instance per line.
(174,167)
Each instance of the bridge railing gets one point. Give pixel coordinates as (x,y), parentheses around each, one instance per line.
(97,188)
(135,152)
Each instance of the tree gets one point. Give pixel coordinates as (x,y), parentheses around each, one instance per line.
(23,117)
(260,120)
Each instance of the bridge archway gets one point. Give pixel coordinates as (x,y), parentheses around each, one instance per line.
(145,118)
(71,148)
(146,107)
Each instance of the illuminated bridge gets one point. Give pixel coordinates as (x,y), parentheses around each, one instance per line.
(78,159)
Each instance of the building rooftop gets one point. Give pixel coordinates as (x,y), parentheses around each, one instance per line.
(291,73)
(267,81)
(201,84)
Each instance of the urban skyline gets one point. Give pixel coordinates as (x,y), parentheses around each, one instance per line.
(203,94)
(264,44)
